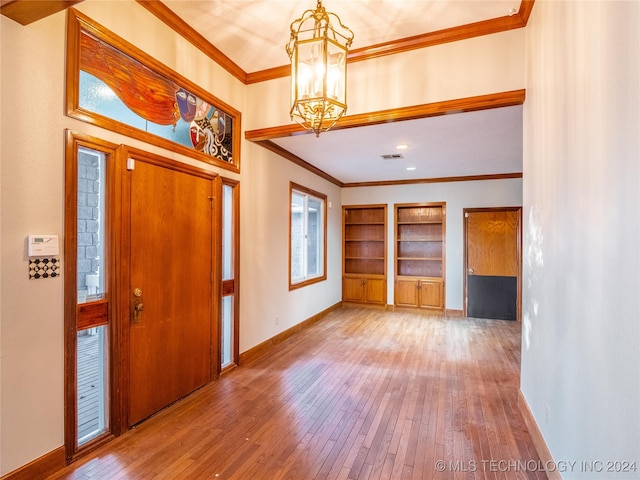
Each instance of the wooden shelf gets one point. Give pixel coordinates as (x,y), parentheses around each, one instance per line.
(420,240)
(365,223)
(429,222)
(364,258)
(421,259)
(419,255)
(363,240)
(364,250)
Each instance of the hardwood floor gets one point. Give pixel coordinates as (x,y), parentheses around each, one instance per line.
(361,394)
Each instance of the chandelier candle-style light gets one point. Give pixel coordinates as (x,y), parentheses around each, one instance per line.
(318,69)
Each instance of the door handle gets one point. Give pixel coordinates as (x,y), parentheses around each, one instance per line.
(138,307)
(470,271)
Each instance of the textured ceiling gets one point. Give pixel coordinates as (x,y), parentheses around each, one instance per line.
(484,142)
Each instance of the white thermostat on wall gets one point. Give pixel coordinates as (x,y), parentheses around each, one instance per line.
(43,246)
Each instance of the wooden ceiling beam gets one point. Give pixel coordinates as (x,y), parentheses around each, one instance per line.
(468,104)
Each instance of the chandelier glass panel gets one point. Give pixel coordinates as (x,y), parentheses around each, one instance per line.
(318,55)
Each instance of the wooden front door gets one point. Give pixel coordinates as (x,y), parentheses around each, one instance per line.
(171,318)
(493,271)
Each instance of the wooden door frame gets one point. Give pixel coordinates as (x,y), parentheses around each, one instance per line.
(74,141)
(465,267)
(221,286)
(123,257)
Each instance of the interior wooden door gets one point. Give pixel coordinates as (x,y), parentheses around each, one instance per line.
(492,250)
(170,297)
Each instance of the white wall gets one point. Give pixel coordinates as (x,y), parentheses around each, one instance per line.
(476,66)
(32,185)
(32,203)
(457,195)
(267,306)
(581,192)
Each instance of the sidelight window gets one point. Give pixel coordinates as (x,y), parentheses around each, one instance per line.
(229,306)
(88,327)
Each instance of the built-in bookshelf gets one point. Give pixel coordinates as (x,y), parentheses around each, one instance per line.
(419,254)
(364,253)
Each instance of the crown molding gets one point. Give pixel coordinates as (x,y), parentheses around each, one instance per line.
(166,15)
(269,145)
(465,178)
(462,32)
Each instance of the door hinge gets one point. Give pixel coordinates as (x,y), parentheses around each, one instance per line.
(466,214)
(131,164)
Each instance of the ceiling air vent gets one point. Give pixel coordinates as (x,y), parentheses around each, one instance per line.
(392,156)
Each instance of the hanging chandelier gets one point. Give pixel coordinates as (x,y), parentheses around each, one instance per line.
(318,69)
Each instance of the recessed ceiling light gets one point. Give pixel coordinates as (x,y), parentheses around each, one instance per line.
(402,146)
(411,168)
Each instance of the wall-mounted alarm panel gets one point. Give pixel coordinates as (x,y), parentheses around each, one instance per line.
(43,246)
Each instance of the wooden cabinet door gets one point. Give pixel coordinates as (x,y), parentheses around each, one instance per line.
(406,292)
(352,289)
(431,294)
(374,290)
